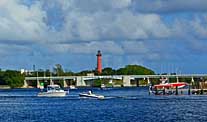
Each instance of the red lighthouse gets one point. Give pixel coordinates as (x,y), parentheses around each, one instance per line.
(99,65)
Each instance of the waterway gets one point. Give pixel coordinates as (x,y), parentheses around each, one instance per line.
(120,105)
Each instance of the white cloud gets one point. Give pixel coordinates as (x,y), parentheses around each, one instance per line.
(106,25)
(27,23)
(5,50)
(86,26)
(19,22)
(135,47)
(200,27)
(104,5)
(170,6)
(185,29)
(89,48)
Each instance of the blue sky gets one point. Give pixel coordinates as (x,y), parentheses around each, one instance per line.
(164,35)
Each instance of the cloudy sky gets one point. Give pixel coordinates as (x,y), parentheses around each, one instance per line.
(164,35)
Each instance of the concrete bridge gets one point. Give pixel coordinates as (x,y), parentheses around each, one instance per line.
(81,81)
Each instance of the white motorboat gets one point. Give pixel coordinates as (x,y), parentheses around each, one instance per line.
(91,95)
(52,91)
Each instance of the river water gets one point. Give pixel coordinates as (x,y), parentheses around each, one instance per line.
(120,105)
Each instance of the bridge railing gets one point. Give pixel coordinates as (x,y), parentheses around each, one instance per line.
(118,76)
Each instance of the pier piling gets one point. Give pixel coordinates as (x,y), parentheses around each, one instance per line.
(201,91)
(176,92)
(164,91)
(189,90)
(150,88)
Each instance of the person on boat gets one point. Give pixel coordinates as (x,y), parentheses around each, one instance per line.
(90,92)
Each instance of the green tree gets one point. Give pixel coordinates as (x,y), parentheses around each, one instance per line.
(69,73)
(58,70)
(97,82)
(13,78)
(84,72)
(108,71)
(47,73)
(134,70)
(2,82)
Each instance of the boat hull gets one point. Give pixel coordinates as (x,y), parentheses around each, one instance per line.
(52,94)
(91,96)
(170,85)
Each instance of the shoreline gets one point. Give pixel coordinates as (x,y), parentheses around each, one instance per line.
(5,87)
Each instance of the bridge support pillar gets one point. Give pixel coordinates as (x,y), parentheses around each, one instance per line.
(80,81)
(177,79)
(192,80)
(51,82)
(64,83)
(148,81)
(38,83)
(25,84)
(126,81)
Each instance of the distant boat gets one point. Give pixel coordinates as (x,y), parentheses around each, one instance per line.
(171,85)
(103,86)
(52,91)
(91,95)
(72,87)
(167,86)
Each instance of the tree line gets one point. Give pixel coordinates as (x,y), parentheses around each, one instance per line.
(12,78)
(16,79)
(127,70)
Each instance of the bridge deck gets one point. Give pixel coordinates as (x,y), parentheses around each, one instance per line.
(119,76)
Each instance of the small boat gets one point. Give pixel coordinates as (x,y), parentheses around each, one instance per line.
(171,85)
(103,86)
(72,87)
(165,86)
(91,95)
(52,91)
